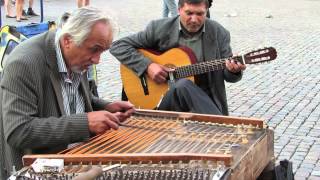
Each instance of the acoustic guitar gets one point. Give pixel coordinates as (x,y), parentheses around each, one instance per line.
(144,93)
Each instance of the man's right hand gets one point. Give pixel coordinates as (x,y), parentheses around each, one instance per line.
(158,73)
(100,121)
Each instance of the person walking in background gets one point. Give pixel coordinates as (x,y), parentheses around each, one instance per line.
(19,11)
(30,11)
(169,6)
(82,3)
(208,12)
(8,9)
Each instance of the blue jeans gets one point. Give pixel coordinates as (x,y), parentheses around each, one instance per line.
(169,6)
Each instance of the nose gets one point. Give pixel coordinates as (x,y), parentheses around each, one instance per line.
(193,18)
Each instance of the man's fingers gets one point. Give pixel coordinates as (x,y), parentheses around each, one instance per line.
(111,124)
(127,114)
(111,116)
(234,66)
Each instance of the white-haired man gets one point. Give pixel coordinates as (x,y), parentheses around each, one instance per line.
(45,99)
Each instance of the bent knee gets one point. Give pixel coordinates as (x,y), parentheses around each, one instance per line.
(183,83)
(183,86)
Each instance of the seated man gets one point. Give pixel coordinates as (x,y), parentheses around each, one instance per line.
(207,39)
(45,99)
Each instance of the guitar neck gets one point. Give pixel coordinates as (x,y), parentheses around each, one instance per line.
(200,68)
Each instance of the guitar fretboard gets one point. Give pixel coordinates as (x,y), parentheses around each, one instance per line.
(200,68)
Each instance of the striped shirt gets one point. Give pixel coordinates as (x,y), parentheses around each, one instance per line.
(73,101)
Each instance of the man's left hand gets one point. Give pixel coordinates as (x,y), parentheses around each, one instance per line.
(124,109)
(234,66)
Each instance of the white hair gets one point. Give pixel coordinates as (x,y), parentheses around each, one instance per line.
(80,22)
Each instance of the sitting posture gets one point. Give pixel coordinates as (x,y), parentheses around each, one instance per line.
(206,38)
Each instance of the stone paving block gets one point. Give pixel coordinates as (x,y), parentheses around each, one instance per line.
(316,173)
(314,178)
(300,177)
(302,172)
(308,166)
(299,158)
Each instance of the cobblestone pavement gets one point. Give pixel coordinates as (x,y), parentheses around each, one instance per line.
(285,93)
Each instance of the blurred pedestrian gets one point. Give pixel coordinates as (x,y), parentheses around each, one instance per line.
(8,9)
(208,12)
(82,3)
(30,11)
(169,6)
(19,9)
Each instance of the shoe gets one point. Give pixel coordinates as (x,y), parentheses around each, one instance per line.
(8,16)
(30,12)
(24,13)
(22,18)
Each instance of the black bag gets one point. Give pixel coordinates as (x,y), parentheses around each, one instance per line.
(284,171)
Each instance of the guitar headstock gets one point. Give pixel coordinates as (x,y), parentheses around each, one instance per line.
(260,55)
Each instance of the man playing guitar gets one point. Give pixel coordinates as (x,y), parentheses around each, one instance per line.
(206,38)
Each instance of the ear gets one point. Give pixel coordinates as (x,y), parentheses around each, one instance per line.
(66,40)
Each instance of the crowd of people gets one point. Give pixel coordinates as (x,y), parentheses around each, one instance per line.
(21,14)
(170,8)
(45,100)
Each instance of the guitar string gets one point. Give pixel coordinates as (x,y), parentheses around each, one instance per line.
(194,69)
(199,68)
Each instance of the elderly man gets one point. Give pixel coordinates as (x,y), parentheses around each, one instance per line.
(45,99)
(206,38)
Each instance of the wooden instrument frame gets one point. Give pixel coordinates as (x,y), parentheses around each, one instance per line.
(248,166)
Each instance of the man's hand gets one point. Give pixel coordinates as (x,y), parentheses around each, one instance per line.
(100,121)
(158,73)
(234,66)
(121,109)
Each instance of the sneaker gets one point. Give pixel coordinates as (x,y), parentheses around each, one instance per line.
(31,12)
(24,13)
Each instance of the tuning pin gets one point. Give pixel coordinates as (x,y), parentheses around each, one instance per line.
(239,130)
(227,151)
(244,139)
(249,129)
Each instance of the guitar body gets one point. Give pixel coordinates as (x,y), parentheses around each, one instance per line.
(133,87)
(183,61)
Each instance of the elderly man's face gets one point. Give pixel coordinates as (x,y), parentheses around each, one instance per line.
(79,58)
(192,16)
